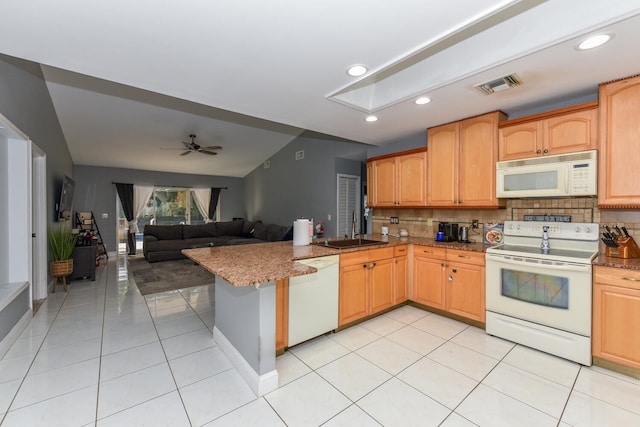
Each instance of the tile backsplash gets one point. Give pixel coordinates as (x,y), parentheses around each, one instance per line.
(581,209)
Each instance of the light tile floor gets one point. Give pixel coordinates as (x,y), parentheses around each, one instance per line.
(103,355)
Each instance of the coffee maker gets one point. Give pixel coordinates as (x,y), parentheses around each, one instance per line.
(449,230)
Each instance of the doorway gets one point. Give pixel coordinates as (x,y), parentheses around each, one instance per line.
(38,223)
(348,203)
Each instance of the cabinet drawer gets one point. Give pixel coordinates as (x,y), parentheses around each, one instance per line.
(467,257)
(351,258)
(401,250)
(429,251)
(622,277)
(382,253)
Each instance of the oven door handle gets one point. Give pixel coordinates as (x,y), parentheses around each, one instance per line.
(562,267)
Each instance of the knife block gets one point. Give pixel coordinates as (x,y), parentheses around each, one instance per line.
(627,249)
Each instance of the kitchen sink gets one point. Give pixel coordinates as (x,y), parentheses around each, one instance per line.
(348,243)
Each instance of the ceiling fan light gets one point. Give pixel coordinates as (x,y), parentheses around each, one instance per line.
(594,41)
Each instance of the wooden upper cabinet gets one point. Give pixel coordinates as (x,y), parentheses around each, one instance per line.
(567,130)
(461,162)
(442,165)
(398,180)
(619,157)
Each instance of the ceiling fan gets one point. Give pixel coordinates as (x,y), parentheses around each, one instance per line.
(190,147)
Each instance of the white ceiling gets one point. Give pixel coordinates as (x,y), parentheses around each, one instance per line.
(128,78)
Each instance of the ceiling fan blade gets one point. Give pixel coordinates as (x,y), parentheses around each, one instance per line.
(187,145)
(211,153)
(212,147)
(167,148)
(186,152)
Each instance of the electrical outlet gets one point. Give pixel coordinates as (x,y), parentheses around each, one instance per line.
(474,223)
(430,222)
(394,220)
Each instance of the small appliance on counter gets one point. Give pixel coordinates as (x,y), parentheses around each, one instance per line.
(463,235)
(449,231)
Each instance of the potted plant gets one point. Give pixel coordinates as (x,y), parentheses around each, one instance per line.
(62,241)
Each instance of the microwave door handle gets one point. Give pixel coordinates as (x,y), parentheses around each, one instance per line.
(566,182)
(563,267)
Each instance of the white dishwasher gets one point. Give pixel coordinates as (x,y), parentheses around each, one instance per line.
(313,300)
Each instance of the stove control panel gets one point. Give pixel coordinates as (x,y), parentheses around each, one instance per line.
(558,230)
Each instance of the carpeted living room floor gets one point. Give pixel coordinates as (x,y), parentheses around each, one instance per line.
(164,276)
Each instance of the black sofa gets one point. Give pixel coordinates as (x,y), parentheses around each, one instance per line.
(165,242)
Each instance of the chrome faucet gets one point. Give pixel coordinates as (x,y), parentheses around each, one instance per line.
(354,219)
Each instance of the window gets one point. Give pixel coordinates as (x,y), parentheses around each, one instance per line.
(170,205)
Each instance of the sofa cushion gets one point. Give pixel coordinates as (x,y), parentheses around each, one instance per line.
(275,232)
(200,230)
(260,231)
(167,245)
(229,228)
(164,232)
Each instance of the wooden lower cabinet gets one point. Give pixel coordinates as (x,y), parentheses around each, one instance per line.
(366,283)
(400,274)
(450,280)
(282,313)
(616,315)
(428,273)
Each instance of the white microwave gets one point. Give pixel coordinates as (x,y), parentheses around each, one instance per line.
(549,176)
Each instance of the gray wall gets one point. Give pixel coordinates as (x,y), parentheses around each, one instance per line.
(291,188)
(410,142)
(95,192)
(25,101)
(4,210)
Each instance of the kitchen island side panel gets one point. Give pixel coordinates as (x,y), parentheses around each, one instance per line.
(246,316)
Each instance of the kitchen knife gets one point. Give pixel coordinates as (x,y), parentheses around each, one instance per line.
(606,242)
(615,227)
(626,233)
(606,227)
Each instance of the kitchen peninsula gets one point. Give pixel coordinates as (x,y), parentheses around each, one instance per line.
(245,297)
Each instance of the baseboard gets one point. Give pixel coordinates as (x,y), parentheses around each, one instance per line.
(260,384)
(15,332)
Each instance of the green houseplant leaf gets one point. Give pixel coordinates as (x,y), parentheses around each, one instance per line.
(61,241)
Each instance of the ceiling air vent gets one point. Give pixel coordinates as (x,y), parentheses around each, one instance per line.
(498,85)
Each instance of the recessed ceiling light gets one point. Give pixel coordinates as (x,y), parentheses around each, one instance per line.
(356,70)
(371,119)
(594,41)
(422,100)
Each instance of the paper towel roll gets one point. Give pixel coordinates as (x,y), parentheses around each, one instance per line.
(300,232)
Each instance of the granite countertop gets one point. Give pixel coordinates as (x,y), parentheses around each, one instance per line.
(246,265)
(607,261)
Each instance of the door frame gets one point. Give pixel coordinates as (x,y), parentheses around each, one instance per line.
(38,197)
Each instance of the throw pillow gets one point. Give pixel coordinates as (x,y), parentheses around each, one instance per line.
(229,228)
(260,231)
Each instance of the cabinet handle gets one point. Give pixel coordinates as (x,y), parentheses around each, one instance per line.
(364,265)
(373,264)
(631,279)
(545,151)
(427,252)
(401,250)
(538,151)
(464,256)
(450,278)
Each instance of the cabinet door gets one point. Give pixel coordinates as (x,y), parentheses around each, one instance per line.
(354,295)
(427,281)
(282,313)
(478,153)
(442,165)
(520,141)
(465,291)
(400,280)
(384,171)
(571,132)
(371,185)
(619,175)
(616,324)
(381,282)
(412,179)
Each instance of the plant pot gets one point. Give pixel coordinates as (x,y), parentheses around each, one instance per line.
(61,268)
